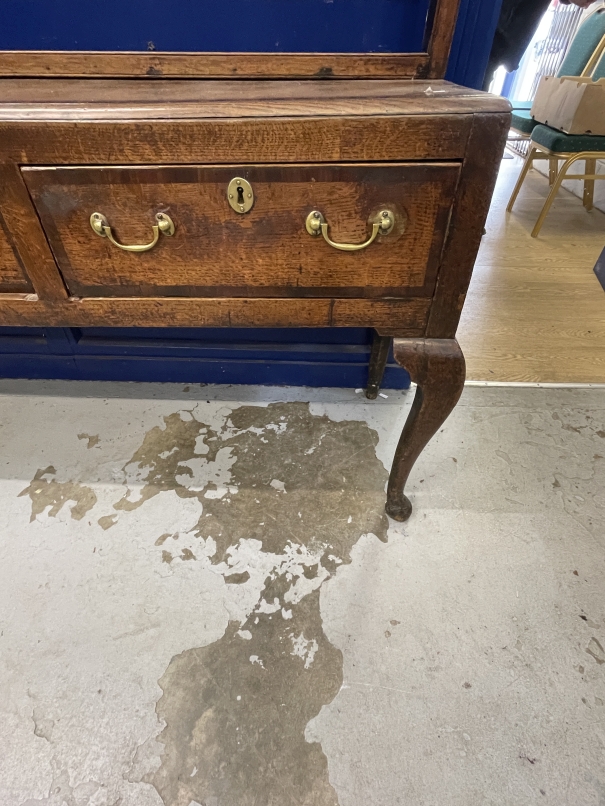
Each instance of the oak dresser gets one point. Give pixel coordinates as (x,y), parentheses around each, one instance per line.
(336,190)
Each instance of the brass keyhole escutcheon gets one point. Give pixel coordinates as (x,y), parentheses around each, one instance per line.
(240,195)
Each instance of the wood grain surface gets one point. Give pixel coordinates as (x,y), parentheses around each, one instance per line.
(441,35)
(12,275)
(213,65)
(407,317)
(152,142)
(266,252)
(26,235)
(105,99)
(480,170)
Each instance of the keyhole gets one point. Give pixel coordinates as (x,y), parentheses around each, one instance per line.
(240,195)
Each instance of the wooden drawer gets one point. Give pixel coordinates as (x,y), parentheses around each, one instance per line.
(267,251)
(12,276)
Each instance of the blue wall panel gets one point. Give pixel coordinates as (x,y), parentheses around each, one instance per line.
(477,21)
(295,356)
(198,25)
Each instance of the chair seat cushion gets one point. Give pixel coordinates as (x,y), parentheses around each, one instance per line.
(522,121)
(521,105)
(566,143)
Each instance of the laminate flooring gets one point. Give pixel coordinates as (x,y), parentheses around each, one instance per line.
(535,311)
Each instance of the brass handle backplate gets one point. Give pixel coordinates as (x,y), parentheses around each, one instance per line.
(164,225)
(316,224)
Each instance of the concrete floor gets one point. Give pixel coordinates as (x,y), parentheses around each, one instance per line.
(201,601)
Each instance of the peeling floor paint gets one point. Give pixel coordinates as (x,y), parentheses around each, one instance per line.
(46,492)
(199,608)
(236,710)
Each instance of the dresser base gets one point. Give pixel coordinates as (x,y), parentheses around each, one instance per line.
(362,204)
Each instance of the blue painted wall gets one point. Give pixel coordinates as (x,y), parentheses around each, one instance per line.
(325,357)
(229,25)
(296,356)
(472,43)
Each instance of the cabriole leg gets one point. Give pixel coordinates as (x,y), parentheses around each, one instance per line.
(437,367)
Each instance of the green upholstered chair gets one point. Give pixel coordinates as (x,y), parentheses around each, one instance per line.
(547,143)
(553,145)
(582,56)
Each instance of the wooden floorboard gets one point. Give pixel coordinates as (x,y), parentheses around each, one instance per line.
(535,310)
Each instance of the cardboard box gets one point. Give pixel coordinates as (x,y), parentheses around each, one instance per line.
(572,104)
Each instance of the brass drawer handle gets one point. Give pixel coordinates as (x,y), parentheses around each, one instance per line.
(164,225)
(316,224)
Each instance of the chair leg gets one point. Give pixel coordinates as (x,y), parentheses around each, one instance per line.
(553,167)
(551,196)
(526,166)
(588,197)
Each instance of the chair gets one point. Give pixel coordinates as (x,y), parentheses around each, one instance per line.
(580,60)
(547,143)
(553,145)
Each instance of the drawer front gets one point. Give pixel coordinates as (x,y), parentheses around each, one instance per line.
(12,276)
(267,251)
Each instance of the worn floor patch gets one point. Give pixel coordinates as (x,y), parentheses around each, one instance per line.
(302,490)
(283,497)
(45,491)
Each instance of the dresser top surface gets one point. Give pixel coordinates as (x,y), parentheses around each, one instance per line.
(63,99)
